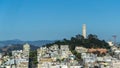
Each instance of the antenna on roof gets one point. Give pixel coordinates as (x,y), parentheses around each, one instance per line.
(114,37)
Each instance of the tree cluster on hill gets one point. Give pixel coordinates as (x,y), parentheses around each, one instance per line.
(92,41)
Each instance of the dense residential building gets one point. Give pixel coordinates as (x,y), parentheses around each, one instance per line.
(19,58)
(60,56)
(55,57)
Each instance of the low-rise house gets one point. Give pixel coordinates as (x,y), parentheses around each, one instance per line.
(23,65)
(104,65)
(76,66)
(101,50)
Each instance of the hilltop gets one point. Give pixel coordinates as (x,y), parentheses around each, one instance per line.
(92,41)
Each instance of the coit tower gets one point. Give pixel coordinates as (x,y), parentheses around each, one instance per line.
(84,31)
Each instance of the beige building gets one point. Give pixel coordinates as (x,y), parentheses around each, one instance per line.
(1,61)
(115,64)
(81,49)
(23,65)
(44,62)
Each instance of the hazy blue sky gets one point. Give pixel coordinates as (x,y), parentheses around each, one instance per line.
(58,19)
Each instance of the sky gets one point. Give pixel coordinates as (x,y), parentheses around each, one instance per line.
(58,19)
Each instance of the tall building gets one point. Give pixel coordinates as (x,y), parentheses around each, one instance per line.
(84,31)
(26,50)
(26,47)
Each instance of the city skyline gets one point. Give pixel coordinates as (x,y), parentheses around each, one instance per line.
(54,20)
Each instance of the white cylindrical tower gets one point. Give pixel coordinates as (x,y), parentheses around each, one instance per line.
(84,31)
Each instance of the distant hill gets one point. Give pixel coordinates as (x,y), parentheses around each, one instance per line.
(16,47)
(16,41)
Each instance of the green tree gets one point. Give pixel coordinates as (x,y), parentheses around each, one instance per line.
(33,57)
